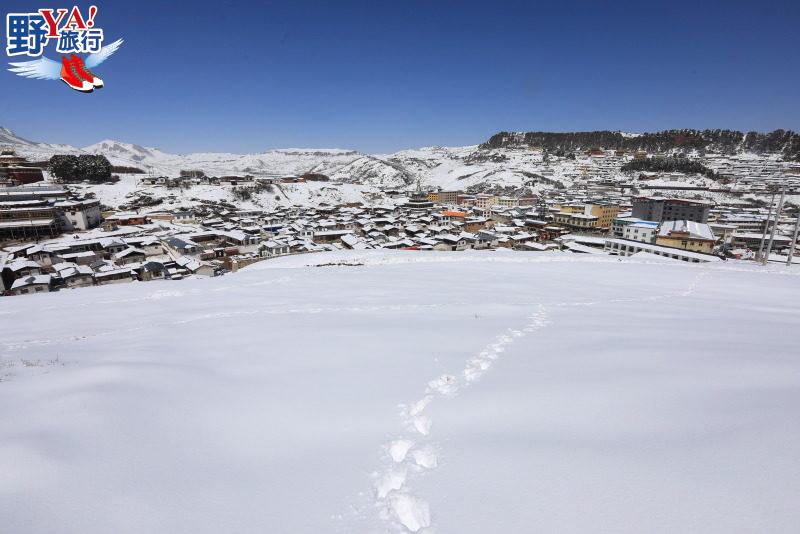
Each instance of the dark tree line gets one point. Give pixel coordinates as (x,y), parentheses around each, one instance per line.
(673,164)
(126,170)
(783,142)
(78,168)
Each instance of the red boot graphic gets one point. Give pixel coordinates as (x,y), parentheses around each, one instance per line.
(85,73)
(71,77)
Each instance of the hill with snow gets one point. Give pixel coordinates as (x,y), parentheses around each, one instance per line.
(508,163)
(34,149)
(407,392)
(449,168)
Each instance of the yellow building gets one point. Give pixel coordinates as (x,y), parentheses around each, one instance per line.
(485,201)
(605,213)
(570,208)
(507,202)
(434,196)
(686,235)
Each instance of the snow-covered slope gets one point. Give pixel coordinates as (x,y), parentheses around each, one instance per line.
(450,168)
(33,149)
(284,162)
(407,392)
(510,168)
(7,137)
(457,168)
(127,152)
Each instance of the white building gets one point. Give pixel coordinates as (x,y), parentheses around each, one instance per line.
(78,215)
(39,283)
(644,231)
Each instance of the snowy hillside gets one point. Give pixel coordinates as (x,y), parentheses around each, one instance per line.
(127,152)
(407,392)
(31,148)
(283,162)
(504,166)
(303,194)
(449,168)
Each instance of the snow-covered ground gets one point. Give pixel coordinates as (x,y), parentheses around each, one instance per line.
(308,194)
(405,391)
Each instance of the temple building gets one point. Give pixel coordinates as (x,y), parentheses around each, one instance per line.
(15,171)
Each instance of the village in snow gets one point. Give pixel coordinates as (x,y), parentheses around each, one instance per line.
(163,221)
(400,268)
(466,339)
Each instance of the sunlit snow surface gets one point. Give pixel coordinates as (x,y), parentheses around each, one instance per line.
(448,393)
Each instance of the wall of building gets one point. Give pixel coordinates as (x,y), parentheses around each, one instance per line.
(695,245)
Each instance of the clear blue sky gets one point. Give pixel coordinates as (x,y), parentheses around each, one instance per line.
(377,76)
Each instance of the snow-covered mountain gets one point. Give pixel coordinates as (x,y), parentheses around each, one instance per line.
(31,149)
(508,163)
(7,137)
(457,167)
(153,160)
(128,151)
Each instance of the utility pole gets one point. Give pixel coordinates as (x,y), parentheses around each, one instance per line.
(794,239)
(766,226)
(774,225)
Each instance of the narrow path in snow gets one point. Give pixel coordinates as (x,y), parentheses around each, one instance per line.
(414,453)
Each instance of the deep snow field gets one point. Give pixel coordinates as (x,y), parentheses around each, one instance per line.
(481,392)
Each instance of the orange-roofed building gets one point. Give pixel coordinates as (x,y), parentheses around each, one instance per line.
(450,213)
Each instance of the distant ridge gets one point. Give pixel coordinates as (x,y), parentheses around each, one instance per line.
(784,142)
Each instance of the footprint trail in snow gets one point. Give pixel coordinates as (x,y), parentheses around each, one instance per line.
(413,454)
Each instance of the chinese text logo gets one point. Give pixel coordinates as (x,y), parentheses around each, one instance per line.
(70,33)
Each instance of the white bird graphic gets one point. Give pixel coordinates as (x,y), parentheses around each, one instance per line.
(47,69)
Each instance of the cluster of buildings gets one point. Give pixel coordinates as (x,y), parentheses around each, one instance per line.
(127,247)
(35,212)
(248,181)
(51,238)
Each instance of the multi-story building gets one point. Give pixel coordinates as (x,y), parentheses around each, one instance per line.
(670,209)
(33,192)
(13,168)
(465,200)
(604,211)
(507,202)
(619,224)
(79,215)
(28,220)
(571,208)
(753,240)
(575,221)
(643,231)
(485,201)
(449,197)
